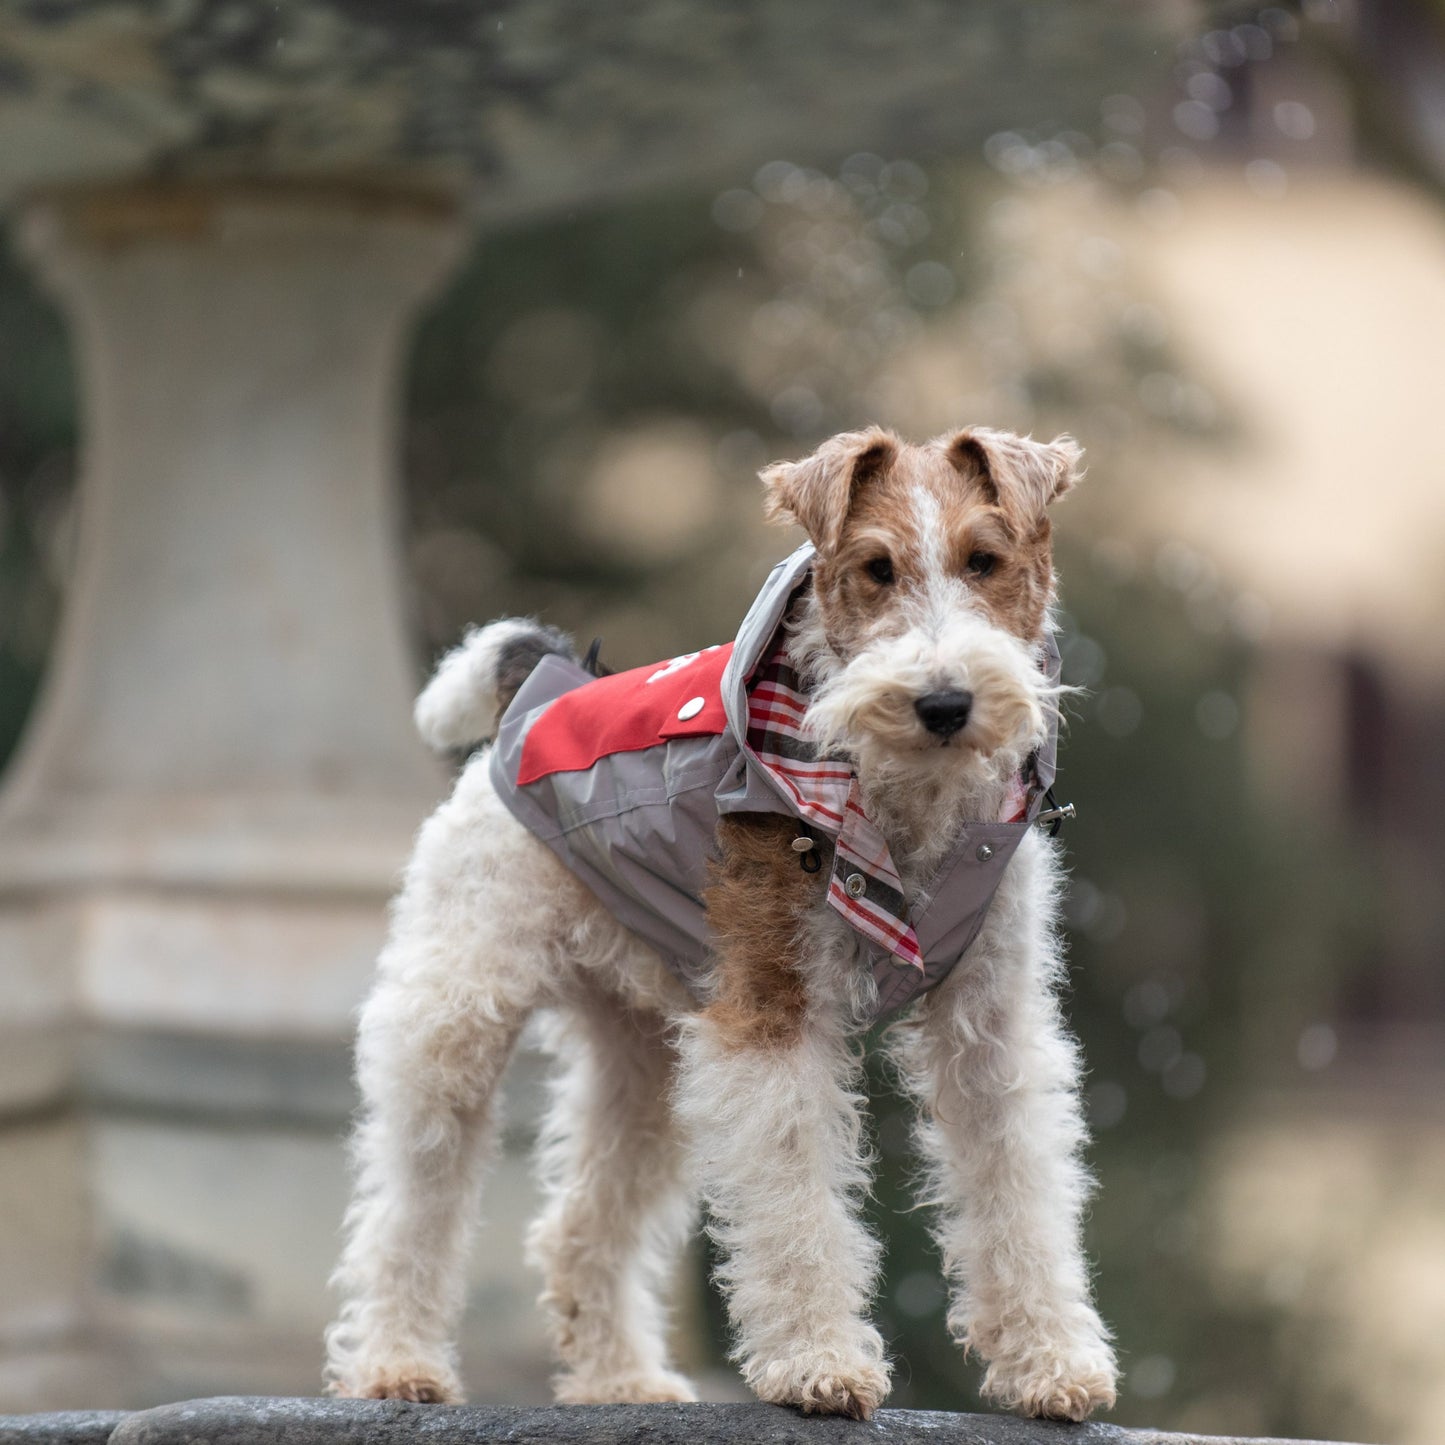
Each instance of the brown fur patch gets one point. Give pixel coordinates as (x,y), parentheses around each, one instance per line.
(818,491)
(755,900)
(883,521)
(1021,473)
(1015,594)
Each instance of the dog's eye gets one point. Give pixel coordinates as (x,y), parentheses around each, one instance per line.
(981,563)
(880,569)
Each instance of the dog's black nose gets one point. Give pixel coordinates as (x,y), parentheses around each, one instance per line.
(944,713)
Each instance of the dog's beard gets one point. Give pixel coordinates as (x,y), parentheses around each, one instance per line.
(866,708)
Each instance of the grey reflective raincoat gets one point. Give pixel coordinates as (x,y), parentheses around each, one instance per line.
(626,781)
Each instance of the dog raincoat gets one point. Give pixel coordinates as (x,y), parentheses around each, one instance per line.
(624,778)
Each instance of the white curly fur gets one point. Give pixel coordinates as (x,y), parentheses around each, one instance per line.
(652,1106)
(459,706)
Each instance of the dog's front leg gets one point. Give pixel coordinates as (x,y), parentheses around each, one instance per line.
(768,1097)
(997,1075)
(778,1144)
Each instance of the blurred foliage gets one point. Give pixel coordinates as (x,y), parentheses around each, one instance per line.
(554,336)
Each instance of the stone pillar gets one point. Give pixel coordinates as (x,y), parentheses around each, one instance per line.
(220,782)
(221,775)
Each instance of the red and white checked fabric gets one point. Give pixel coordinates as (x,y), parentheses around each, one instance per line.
(825,792)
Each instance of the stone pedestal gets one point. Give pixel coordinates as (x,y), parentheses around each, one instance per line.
(221,775)
(219,785)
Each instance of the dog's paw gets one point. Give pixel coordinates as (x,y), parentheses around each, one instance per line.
(663,1388)
(1059,1366)
(822,1387)
(1075,1399)
(1055,1387)
(418,1387)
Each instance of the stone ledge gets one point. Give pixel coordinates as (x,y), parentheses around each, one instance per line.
(61,1427)
(241,1420)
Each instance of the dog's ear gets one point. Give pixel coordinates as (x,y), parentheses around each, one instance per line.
(818,492)
(1023,475)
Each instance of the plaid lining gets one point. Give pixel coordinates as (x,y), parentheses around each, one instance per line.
(825,792)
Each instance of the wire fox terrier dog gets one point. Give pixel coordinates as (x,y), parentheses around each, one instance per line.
(708,878)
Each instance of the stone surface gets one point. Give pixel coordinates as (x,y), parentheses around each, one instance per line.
(282,1082)
(535,102)
(61,1427)
(175,1240)
(43,1210)
(221,766)
(248,1421)
(216,1236)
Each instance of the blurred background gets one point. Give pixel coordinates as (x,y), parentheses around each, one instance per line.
(325,331)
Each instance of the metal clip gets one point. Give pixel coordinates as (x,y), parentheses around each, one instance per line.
(807,847)
(1056,816)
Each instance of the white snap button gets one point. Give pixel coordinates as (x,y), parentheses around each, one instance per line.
(856,886)
(691,708)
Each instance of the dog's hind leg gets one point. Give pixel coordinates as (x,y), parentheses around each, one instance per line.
(465,964)
(419,1153)
(998,1075)
(618,1204)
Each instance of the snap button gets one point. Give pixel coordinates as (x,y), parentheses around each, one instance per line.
(985,852)
(856,886)
(898,961)
(691,708)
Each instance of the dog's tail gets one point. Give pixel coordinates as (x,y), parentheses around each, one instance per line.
(476,680)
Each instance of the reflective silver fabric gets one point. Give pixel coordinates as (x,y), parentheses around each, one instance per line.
(637,828)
